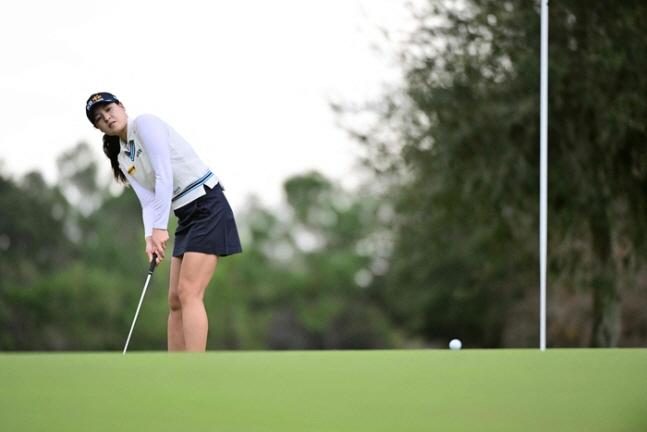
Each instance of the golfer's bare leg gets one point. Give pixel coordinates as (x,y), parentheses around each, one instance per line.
(175,330)
(195,274)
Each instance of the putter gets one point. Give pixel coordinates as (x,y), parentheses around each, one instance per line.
(141,299)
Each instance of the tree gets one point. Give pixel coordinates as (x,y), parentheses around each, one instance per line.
(598,136)
(313,260)
(458,148)
(64,274)
(32,243)
(78,172)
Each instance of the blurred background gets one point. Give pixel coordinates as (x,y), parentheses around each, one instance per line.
(382,159)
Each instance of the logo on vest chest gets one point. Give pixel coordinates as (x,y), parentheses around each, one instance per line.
(132,170)
(137,154)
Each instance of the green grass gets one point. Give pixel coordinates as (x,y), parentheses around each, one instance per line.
(418,390)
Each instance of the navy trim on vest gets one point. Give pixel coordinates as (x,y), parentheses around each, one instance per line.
(131,153)
(196,184)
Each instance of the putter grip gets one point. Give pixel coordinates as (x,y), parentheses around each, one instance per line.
(153,263)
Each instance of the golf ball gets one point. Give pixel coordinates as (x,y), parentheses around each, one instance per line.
(455,344)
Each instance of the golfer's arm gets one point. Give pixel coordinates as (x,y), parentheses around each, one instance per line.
(154,136)
(147,201)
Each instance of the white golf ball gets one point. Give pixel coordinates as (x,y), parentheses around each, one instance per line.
(455,344)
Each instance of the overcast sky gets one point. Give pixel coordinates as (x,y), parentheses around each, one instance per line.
(247,83)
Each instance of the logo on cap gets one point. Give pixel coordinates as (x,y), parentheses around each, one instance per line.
(94,99)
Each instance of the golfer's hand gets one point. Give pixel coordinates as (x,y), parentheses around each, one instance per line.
(159,239)
(150,249)
(156,244)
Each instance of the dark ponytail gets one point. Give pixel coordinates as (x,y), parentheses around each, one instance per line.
(111,148)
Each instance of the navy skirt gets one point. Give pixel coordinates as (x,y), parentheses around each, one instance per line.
(207,225)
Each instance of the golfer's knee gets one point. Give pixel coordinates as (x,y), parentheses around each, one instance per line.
(174,302)
(187,293)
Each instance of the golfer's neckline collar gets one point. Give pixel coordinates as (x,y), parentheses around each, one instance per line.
(129,131)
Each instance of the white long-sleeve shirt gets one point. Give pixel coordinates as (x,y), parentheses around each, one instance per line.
(162,168)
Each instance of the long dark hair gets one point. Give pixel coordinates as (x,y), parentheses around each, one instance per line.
(111,148)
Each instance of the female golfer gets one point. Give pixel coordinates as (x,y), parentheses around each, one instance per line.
(166,173)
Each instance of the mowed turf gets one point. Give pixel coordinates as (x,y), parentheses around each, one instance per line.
(417,390)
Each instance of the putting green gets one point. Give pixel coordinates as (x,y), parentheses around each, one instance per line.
(418,390)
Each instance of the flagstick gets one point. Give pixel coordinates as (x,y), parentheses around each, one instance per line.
(543,188)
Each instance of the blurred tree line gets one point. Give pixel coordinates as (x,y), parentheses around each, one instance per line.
(442,242)
(73,267)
